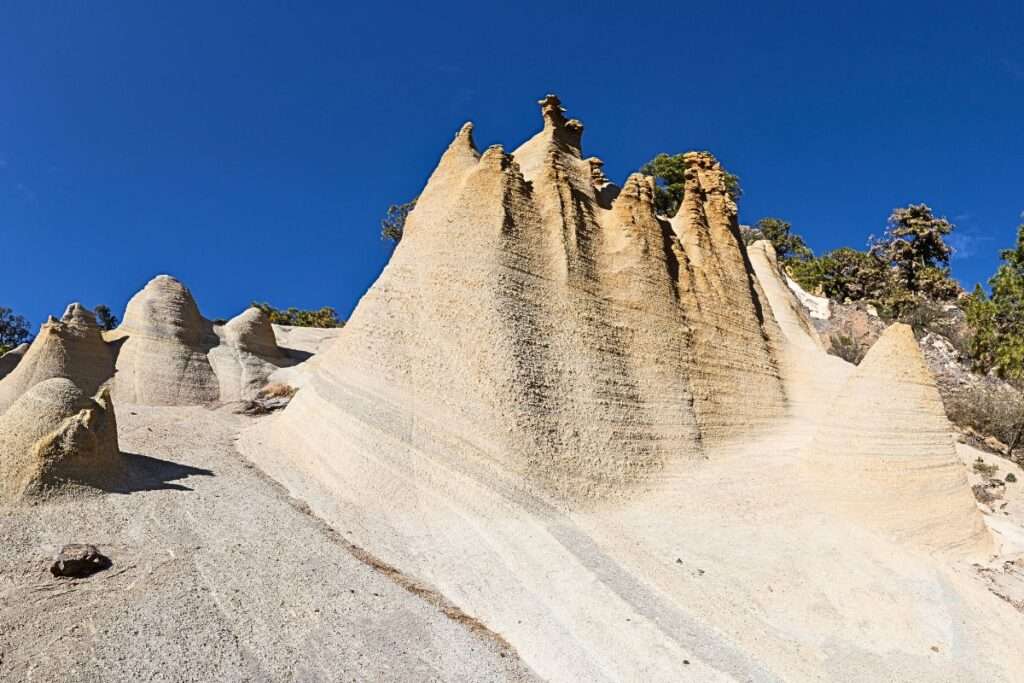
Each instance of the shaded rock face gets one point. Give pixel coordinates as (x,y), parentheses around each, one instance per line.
(247,355)
(885,454)
(54,437)
(162,346)
(10,360)
(555,324)
(71,347)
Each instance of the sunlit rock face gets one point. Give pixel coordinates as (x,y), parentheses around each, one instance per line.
(162,347)
(55,438)
(552,323)
(71,347)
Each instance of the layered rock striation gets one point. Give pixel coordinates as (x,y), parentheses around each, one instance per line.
(162,347)
(247,355)
(71,347)
(553,324)
(884,454)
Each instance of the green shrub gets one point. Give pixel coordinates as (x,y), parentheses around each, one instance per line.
(323,317)
(13,330)
(983,469)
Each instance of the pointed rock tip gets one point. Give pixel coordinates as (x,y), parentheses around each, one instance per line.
(552,110)
(766,246)
(77,313)
(465,136)
(704,159)
(896,354)
(638,187)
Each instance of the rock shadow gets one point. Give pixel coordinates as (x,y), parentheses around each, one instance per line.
(146,473)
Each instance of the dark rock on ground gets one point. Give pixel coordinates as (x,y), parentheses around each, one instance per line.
(78,560)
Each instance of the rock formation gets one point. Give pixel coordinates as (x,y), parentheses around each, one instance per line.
(55,437)
(162,347)
(247,355)
(71,347)
(554,324)
(10,360)
(884,454)
(552,394)
(794,322)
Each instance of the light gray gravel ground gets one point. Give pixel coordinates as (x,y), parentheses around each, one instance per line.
(218,576)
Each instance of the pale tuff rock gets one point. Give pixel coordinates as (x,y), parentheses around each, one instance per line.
(10,360)
(71,347)
(54,438)
(555,405)
(163,353)
(578,345)
(785,304)
(734,330)
(162,346)
(818,307)
(247,355)
(885,454)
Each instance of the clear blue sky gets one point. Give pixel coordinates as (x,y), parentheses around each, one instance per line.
(251,148)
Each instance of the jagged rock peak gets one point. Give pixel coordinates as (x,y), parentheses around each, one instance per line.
(597,172)
(605,190)
(568,131)
(77,314)
(466,133)
(72,348)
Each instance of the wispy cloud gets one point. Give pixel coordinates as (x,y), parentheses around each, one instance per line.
(967,240)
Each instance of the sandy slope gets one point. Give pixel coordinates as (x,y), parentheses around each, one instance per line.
(217,576)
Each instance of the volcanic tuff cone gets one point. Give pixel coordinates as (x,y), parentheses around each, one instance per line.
(163,342)
(71,347)
(54,437)
(884,455)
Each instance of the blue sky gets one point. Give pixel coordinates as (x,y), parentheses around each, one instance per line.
(250,149)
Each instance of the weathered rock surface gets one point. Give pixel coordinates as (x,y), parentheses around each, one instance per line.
(885,454)
(584,345)
(71,347)
(552,394)
(79,560)
(247,355)
(10,360)
(53,438)
(162,347)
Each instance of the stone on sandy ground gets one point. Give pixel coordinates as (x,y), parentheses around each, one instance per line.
(79,560)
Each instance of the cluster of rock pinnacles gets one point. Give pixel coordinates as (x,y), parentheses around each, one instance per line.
(58,429)
(586,339)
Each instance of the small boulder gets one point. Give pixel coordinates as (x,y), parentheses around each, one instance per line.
(79,560)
